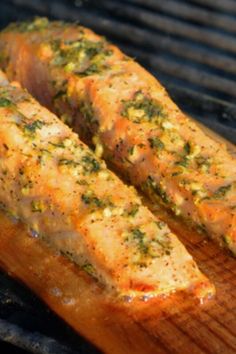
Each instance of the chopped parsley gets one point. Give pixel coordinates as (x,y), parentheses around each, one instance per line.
(185,156)
(222,191)
(143,109)
(157,246)
(58,145)
(87,111)
(90,164)
(219,193)
(203,163)
(184,162)
(81,56)
(152,186)
(67,162)
(187,148)
(133,211)
(31,128)
(156,143)
(139,237)
(5,102)
(91,199)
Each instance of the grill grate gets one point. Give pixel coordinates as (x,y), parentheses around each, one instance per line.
(190,46)
(28,324)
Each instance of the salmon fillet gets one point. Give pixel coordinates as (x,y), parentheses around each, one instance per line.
(114,103)
(66,196)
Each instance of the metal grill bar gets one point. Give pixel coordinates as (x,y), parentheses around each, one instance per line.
(173,47)
(192,13)
(158,61)
(36,342)
(159,42)
(27,323)
(171,25)
(225,5)
(184,71)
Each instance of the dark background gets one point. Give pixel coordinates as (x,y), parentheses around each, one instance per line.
(191,48)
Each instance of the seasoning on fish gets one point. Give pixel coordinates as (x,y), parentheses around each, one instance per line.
(112,102)
(67,197)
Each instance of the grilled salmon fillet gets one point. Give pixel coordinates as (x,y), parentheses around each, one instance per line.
(66,196)
(114,103)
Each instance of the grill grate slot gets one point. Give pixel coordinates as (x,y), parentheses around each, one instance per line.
(192,13)
(27,323)
(173,39)
(226,5)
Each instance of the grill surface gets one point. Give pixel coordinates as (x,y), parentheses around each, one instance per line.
(27,323)
(190,46)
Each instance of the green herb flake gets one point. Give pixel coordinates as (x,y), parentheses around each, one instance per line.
(185,156)
(90,164)
(67,162)
(155,188)
(203,163)
(89,269)
(5,102)
(156,143)
(82,182)
(143,109)
(92,200)
(87,111)
(131,150)
(184,162)
(31,128)
(81,56)
(222,191)
(58,145)
(134,210)
(160,224)
(139,237)
(187,148)
(37,206)
(91,70)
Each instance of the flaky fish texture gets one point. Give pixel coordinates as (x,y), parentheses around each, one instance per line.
(112,102)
